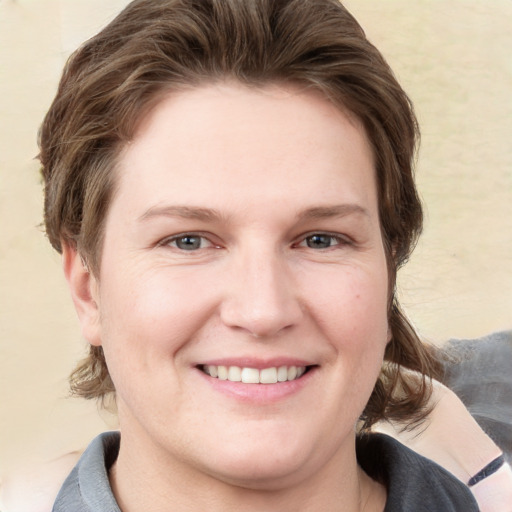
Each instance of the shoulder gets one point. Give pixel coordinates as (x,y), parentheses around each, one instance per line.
(478,371)
(413,482)
(87,487)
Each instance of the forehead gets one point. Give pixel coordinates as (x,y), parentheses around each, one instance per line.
(228,141)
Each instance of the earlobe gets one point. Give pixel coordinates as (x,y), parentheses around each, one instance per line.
(390,335)
(84,292)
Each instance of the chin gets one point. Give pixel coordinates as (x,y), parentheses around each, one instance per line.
(264,465)
(267,475)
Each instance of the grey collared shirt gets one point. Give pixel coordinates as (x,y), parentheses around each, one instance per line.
(414,483)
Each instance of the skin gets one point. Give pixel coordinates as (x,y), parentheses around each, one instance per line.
(445,437)
(35,488)
(252,175)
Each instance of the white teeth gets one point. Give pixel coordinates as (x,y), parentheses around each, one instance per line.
(282,374)
(270,375)
(234,374)
(250,376)
(222,372)
(292,372)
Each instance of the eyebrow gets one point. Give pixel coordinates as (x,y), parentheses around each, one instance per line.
(184,212)
(212,215)
(326,212)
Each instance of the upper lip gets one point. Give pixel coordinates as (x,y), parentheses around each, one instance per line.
(257,363)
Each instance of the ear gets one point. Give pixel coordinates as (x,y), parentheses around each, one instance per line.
(84,292)
(390,335)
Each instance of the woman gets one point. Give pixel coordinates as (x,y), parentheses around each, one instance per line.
(230,184)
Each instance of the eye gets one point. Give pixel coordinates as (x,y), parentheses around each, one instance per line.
(322,241)
(188,242)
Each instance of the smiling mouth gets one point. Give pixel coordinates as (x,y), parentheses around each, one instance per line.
(271,375)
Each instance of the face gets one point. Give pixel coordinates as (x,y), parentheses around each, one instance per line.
(242,297)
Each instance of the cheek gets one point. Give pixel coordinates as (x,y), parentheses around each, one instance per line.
(147,318)
(153,313)
(353,317)
(351,305)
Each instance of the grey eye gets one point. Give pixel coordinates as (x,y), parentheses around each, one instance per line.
(188,242)
(319,241)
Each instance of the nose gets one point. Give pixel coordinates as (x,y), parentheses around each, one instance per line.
(261,296)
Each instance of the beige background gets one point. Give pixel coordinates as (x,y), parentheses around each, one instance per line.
(452,56)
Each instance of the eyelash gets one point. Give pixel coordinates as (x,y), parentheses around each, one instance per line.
(338,239)
(183,236)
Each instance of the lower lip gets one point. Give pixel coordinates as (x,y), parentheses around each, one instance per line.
(259,393)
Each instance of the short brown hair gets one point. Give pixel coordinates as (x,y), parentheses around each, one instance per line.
(156,46)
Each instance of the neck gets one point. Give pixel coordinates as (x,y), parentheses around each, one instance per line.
(141,480)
